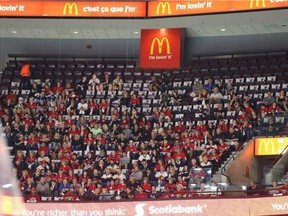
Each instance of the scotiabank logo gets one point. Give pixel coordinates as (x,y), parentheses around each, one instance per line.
(169,209)
(160,45)
(163,6)
(139,209)
(257,2)
(70,7)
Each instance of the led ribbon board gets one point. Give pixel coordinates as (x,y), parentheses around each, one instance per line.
(72,9)
(162,8)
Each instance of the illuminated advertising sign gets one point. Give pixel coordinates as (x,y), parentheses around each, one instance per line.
(142,208)
(270,146)
(233,207)
(160,48)
(160,8)
(72,9)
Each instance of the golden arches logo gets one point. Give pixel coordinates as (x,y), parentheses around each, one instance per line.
(267,147)
(160,45)
(70,8)
(257,2)
(163,8)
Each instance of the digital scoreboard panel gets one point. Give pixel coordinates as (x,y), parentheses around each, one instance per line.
(164,8)
(133,8)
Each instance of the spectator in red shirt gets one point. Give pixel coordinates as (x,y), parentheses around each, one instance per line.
(58,88)
(12,97)
(146,185)
(180,127)
(135,100)
(179,192)
(104,107)
(223,150)
(274,108)
(33,197)
(201,127)
(141,194)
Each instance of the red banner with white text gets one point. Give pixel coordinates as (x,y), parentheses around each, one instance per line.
(158,8)
(160,48)
(72,9)
(215,207)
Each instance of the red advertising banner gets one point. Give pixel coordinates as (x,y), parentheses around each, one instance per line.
(158,8)
(269,206)
(72,9)
(160,48)
(215,207)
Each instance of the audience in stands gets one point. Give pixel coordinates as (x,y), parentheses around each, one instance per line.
(71,144)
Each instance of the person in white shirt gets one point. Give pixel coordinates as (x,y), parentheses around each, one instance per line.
(82,107)
(94,82)
(144,155)
(216,96)
(161,174)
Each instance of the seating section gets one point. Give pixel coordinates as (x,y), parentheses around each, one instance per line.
(129,133)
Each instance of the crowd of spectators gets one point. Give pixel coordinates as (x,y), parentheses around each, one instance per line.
(61,150)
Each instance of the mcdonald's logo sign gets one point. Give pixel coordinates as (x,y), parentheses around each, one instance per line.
(163,7)
(160,45)
(267,147)
(257,2)
(270,146)
(70,8)
(160,48)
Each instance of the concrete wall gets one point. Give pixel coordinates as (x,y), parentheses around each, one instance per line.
(245,168)
(130,47)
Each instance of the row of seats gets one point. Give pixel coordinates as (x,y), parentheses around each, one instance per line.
(72,64)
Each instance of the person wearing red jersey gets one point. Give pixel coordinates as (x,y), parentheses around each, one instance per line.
(60,176)
(135,100)
(65,148)
(112,187)
(74,130)
(33,197)
(180,127)
(274,108)
(12,97)
(69,122)
(58,89)
(201,127)
(223,150)
(53,113)
(167,194)
(70,175)
(64,166)
(121,186)
(141,194)
(179,192)
(104,107)
(89,142)
(32,142)
(27,120)
(284,188)
(31,161)
(93,108)
(113,156)
(146,185)
(170,184)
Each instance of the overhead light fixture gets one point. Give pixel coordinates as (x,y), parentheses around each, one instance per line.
(14,32)
(75,32)
(136,32)
(223,29)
